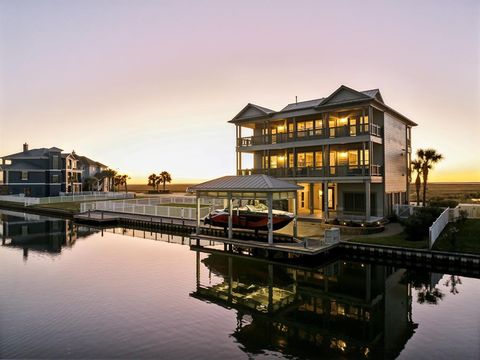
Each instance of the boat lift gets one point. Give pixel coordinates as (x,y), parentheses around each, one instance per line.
(248,187)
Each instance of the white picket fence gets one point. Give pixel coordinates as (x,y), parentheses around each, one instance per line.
(438,225)
(473,210)
(27,201)
(157,206)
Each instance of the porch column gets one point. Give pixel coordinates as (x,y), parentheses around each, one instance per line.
(310,198)
(270,218)
(367,201)
(230,216)
(295,215)
(363,159)
(268,159)
(237,140)
(240,153)
(325,200)
(198,214)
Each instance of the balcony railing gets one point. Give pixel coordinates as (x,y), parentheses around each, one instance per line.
(311,134)
(325,171)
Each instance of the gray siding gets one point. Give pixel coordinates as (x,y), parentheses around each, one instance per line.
(395,154)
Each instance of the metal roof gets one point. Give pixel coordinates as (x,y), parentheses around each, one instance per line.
(34,153)
(247,183)
(302,104)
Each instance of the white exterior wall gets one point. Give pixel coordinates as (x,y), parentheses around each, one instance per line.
(395,146)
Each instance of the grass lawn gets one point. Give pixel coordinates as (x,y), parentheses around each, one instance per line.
(393,240)
(466,240)
(71,206)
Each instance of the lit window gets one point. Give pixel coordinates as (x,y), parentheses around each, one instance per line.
(318,159)
(353,158)
(24,175)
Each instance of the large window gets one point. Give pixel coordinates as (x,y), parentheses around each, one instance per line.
(305,159)
(353,158)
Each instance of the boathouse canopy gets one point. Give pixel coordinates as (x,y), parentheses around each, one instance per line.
(246,187)
(256,187)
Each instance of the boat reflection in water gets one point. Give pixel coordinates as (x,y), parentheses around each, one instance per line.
(345,308)
(40,234)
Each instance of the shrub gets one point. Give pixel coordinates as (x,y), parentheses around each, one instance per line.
(416,225)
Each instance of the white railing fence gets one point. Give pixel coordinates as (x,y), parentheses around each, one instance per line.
(472,210)
(156,207)
(437,227)
(27,201)
(178,212)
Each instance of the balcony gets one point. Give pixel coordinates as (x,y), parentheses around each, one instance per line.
(311,134)
(325,171)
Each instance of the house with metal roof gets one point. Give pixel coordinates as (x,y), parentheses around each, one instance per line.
(40,172)
(90,168)
(350,151)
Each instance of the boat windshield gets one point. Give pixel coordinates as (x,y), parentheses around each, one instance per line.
(257,207)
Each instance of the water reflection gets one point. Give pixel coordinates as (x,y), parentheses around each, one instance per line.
(40,234)
(345,308)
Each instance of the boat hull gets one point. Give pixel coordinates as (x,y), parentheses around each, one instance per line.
(249,221)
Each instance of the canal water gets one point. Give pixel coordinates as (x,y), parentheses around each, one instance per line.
(69,291)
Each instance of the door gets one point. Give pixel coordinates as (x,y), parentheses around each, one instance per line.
(303,201)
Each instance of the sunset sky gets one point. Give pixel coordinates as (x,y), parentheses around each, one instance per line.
(145,86)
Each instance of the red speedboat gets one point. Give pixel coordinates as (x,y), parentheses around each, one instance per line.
(253,217)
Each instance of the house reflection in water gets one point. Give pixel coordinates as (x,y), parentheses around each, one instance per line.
(345,308)
(37,233)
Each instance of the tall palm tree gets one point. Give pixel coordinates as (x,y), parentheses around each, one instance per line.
(429,158)
(123,181)
(110,174)
(152,181)
(164,178)
(416,165)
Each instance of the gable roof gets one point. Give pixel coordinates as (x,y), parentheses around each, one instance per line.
(374,93)
(253,111)
(344,94)
(32,154)
(247,183)
(88,161)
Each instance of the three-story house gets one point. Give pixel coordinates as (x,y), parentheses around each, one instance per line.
(350,151)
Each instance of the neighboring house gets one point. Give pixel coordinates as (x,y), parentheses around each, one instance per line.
(350,151)
(40,172)
(90,168)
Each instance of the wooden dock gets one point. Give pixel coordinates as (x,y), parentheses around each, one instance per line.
(305,247)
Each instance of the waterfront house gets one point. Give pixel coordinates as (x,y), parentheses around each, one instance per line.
(89,169)
(40,172)
(350,151)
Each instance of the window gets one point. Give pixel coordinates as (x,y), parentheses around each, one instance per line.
(1,177)
(55,162)
(364,123)
(353,158)
(353,126)
(318,127)
(290,160)
(55,178)
(305,159)
(24,175)
(318,159)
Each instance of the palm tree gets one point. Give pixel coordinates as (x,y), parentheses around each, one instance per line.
(152,181)
(123,181)
(110,174)
(429,158)
(416,165)
(164,178)
(90,182)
